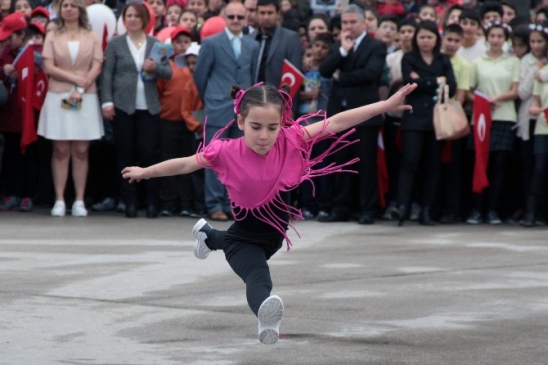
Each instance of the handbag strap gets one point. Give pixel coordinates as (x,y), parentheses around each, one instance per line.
(440,96)
(446,94)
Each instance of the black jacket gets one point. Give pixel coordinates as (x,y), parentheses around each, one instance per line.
(423,99)
(360,74)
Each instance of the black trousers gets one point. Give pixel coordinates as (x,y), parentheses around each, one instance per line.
(361,188)
(175,141)
(247,254)
(419,146)
(393,155)
(137,143)
(18,170)
(452,181)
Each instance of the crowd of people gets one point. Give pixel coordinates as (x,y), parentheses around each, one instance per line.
(109,106)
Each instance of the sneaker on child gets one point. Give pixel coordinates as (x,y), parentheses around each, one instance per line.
(200,231)
(10,203)
(270,317)
(26,205)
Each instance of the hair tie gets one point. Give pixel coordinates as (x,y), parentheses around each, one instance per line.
(238,100)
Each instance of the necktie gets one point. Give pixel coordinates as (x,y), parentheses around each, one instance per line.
(261,51)
(236,47)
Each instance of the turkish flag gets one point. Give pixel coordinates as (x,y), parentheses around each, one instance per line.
(40,89)
(292,77)
(382,170)
(482,135)
(25,84)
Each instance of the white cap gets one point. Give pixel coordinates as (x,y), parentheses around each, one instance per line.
(194,49)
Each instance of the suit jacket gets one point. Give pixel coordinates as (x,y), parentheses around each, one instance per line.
(56,48)
(285,44)
(217,70)
(423,98)
(359,78)
(119,77)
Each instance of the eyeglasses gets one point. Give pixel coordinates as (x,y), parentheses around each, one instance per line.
(232,17)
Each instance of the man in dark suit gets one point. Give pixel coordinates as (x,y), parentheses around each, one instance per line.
(275,44)
(355,64)
(226,59)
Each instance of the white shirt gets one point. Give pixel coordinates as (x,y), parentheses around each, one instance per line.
(473,52)
(139,58)
(356,44)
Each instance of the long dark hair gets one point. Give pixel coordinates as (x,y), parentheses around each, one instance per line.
(431,27)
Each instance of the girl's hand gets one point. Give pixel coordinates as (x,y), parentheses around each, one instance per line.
(494,100)
(535,110)
(133,174)
(75,97)
(149,65)
(395,102)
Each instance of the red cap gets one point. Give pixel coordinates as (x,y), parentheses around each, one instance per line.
(12,23)
(39,26)
(180,30)
(39,11)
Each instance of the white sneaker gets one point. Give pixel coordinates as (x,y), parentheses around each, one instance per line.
(58,209)
(270,318)
(79,209)
(200,231)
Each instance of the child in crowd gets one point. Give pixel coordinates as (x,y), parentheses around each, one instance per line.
(472,45)
(192,111)
(371,20)
(387,32)
(39,15)
(199,7)
(175,138)
(258,170)
(452,15)
(22,6)
(427,13)
(12,33)
(315,97)
(451,187)
(159,9)
(173,14)
(496,74)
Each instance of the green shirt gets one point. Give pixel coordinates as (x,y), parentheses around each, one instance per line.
(461,69)
(495,77)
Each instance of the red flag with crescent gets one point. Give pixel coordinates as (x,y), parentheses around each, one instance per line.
(25,83)
(292,77)
(40,89)
(482,136)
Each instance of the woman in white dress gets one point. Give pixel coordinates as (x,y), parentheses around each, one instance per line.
(71,116)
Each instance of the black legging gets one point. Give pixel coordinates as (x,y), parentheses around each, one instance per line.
(538,187)
(247,253)
(417,145)
(495,172)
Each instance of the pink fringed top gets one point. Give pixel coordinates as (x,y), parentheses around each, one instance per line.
(254,182)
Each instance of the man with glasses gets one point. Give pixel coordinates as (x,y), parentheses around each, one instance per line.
(226,59)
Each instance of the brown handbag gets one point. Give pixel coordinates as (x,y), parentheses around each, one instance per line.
(450,121)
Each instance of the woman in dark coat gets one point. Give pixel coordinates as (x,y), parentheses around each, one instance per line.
(426,66)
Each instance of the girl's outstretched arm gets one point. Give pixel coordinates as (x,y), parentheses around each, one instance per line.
(349,118)
(176,166)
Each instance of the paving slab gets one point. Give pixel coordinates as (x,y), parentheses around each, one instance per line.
(110,290)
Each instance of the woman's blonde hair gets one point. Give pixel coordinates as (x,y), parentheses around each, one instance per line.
(83,20)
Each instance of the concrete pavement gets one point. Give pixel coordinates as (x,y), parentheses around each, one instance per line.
(110,290)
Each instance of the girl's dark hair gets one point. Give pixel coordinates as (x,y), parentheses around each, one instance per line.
(431,27)
(260,95)
(505,28)
(450,10)
(522,33)
(407,21)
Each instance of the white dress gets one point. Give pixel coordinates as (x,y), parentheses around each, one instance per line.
(58,124)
